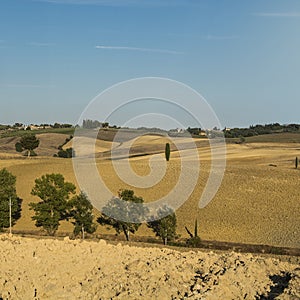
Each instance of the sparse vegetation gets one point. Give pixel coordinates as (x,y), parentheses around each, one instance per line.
(241,140)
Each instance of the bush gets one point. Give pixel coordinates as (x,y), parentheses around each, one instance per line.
(194,242)
(31,153)
(19,147)
(68,153)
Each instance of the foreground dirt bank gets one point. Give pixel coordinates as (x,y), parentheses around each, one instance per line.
(53,269)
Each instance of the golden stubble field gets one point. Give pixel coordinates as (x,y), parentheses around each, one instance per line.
(256,203)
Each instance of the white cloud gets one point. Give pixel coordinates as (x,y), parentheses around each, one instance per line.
(278,14)
(138,49)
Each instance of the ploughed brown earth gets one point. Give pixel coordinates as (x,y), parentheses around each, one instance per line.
(74,269)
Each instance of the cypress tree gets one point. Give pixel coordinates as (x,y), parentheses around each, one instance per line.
(167,151)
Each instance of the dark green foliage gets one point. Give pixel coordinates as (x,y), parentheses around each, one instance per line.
(296,163)
(194,240)
(19,147)
(54,206)
(164,227)
(82,214)
(58,125)
(196,228)
(68,153)
(8,191)
(261,129)
(121,211)
(167,151)
(27,142)
(62,153)
(194,131)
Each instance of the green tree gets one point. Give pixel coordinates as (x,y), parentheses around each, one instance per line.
(28,142)
(167,151)
(123,209)
(82,214)
(7,193)
(54,206)
(164,227)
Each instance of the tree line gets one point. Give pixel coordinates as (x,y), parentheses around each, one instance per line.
(58,201)
(254,130)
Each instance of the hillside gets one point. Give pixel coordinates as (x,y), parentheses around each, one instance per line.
(49,143)
(258,201)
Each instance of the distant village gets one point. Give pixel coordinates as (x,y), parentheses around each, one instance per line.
(20,126)
(252,130)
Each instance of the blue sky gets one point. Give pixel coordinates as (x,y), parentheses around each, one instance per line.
(242,56)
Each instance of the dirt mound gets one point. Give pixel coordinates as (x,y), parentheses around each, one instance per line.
(53,269)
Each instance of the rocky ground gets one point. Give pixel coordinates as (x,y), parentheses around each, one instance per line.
(72,269)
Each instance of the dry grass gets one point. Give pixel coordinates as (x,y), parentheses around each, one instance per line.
(257,203)
(49,143)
